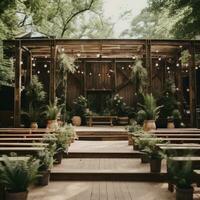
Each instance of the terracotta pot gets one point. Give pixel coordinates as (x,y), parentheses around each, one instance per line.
(149,125)
(76,120)
(58,157)
(155,165)
(170,125)
(130,139)
(34,125)
(184,194)
(44,178)
(16,195)
(52,124)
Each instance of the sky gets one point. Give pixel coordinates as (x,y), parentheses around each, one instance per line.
(113,9)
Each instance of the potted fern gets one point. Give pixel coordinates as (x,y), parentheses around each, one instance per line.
(151,112)
(33,116)
(52,112)
(17,176)
(181,176)
(155,155)
(46,163)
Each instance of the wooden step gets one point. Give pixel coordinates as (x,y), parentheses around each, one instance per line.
(107,175)
(134,154)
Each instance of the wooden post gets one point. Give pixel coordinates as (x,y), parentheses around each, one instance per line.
(84,78)
(29,69)
(52,85)
(149,63)
(115,75)
(17,90)
(192,86)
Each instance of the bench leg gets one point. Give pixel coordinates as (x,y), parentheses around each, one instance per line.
(170,187)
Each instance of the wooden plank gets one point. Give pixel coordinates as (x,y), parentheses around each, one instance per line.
(25,135)
(23,144)
(27,139)
(22,148)
(17,90)
(184,158)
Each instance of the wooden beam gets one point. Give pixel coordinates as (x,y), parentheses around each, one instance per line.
(29,69)
(149,63)
(192,86)
(17,90)
(52,85)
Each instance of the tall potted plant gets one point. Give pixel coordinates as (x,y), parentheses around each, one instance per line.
(46,163)
(33,115)
(79,110)
(17,176)
(181,175)
(52,112)
(155,155)
(151,112)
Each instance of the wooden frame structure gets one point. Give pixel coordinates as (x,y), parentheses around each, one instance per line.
(100,50)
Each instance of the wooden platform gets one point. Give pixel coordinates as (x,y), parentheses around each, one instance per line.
(101,133)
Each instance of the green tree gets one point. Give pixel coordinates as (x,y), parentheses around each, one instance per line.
(185,13)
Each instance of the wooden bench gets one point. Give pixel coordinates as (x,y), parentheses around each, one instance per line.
(178,139)
(21,150)
(100,120)
(29,139)
(15,144)
(2,135)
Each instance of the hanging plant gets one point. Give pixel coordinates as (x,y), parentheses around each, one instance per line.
(65,65)
(139,76)
(185,57)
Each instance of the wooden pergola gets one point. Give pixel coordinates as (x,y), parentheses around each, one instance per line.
(114,50)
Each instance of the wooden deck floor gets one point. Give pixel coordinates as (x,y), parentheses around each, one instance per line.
(104,164)
(100,146)
(101,191)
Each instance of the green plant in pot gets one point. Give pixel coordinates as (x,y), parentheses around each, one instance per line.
(150,111)
(17,176)
(181,175)
(119,108)
(142,142)
(46,163)
(79,111)
(33,115)
(155,155)
(52,113)
(134,128)
(63,138)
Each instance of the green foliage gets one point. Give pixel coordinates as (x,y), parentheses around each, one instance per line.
(117,106)
(6,69)
(183,15)
(52,111)
(185,57)
(180,174)
(152,150)
(18,175)
(33,114)
(139,76)
(168,100)
(150,108)
(134,128)
(79,107)
(35,92)
(46,159)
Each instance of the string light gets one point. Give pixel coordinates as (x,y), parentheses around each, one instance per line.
(98,55)
(90,74)
(48,71)
(177,64)
(99,75)
(196,67)
(168,68)
(78,54)
(82,72)
(186,65)
(79,71)
(186,71)
(133,57)
(32,58)
(45,65)
(177,89)
(180,46)
(169,72)
(157,64)
(129,66)
(159,58)
(45,56)
(122,68)
(188,89)
(63,49)
(21,63)
(33,64)
(38,72)
(157,51)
